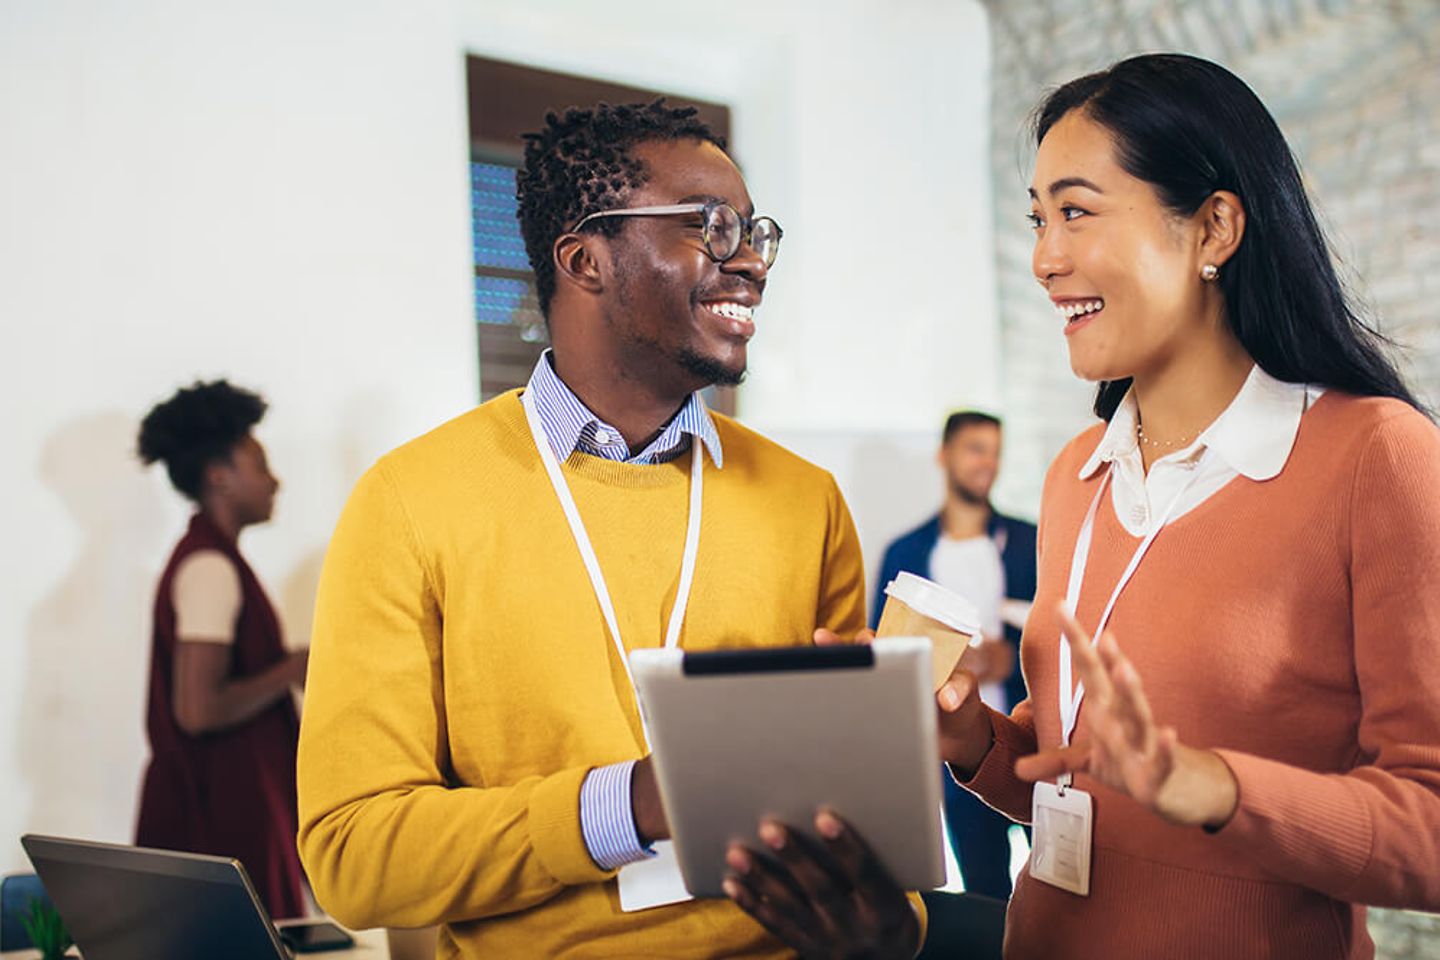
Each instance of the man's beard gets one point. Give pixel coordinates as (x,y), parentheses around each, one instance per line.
(710,370)
(969,496)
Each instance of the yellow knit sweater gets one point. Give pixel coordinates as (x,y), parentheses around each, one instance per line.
(462,681)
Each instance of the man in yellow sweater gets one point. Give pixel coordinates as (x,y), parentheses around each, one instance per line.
(471,754)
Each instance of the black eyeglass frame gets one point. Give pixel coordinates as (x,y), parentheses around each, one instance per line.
(747,225)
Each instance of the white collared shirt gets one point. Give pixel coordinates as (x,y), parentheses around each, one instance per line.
(1252,438)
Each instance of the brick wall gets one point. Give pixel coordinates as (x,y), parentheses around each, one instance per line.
(1355,84)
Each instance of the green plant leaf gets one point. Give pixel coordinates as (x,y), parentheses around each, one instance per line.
(46,930)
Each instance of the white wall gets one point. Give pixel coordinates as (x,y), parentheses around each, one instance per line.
(277,192)
(274,193)
(863,129)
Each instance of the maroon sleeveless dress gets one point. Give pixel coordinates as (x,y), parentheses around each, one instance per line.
(229,793)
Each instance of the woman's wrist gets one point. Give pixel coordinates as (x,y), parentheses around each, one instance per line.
(965,756)
(1201,792)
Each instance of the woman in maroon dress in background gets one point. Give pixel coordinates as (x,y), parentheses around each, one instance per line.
(221,721)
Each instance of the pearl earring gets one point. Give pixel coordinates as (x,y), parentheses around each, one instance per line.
(1209,272)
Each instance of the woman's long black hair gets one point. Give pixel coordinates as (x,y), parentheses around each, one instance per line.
(1189,127)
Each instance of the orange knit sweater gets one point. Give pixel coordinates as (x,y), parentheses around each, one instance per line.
(1294,626)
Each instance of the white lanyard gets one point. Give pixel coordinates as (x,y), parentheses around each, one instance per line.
(587,552)
(1070,701)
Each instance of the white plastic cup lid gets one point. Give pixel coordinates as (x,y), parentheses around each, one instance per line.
(929,599)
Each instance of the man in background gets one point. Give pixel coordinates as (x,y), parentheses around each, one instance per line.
(989,559)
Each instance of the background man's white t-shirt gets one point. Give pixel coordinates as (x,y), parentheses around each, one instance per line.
(972,568)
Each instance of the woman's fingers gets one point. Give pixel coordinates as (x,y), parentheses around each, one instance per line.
(1166,741)
(1130,704)
(1049,764)
(1117,706)
(1088,667)
(1124,749)
(960,687)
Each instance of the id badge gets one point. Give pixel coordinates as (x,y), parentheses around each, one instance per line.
(1062,827)
(655,882)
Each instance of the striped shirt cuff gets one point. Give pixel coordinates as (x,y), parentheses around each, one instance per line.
(606,818)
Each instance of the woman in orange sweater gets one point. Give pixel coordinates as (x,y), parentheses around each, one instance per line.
(1254,530)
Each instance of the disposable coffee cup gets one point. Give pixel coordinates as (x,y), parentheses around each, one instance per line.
(916,607)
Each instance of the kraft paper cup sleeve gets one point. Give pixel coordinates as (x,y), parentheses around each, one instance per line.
(947,646)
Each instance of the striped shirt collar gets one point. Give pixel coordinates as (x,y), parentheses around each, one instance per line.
(570,425)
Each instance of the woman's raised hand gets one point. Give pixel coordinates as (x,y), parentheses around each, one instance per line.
(1126,750)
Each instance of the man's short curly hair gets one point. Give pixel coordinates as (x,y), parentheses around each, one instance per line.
(583,162)
(197,426)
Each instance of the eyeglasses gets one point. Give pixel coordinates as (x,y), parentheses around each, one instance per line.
(723,228)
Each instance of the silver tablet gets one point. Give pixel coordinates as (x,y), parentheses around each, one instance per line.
(743,734)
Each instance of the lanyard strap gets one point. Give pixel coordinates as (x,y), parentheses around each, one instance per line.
(587,551)
(1070,701)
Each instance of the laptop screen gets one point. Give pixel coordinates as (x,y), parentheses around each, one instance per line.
(129,903)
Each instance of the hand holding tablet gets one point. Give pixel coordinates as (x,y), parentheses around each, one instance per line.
(741,736)
(826,898)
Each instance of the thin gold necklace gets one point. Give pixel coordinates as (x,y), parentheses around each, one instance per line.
(1161,444)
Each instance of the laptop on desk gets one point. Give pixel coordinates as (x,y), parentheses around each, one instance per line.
(130,903)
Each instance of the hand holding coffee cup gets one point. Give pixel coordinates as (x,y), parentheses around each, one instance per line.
(964,723)
(916,607)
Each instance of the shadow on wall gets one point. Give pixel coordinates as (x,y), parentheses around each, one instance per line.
(296,599)
(81,723)
(367,433)
(81,726)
